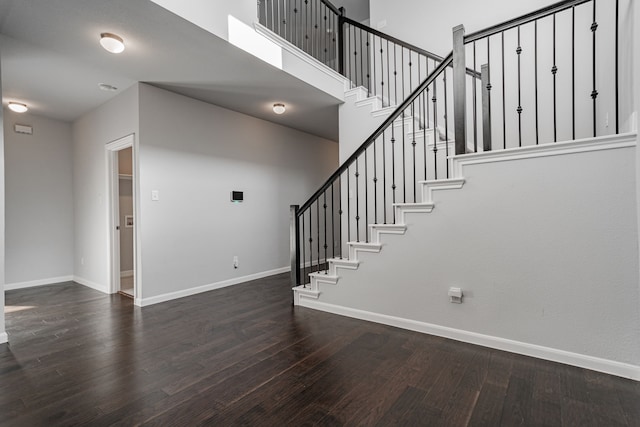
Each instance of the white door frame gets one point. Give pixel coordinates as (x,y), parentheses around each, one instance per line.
(111,150)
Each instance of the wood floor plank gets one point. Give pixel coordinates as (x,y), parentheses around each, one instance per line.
(244,356)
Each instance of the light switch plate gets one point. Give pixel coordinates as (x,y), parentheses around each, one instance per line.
(155,195)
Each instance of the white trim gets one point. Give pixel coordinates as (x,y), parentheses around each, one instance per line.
(4,338)
(143,302)
(89,284)
(34,283)
(301,54)
(609,142)
(127,273)
(612,367)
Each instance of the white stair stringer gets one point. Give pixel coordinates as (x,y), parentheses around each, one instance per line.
(331,276)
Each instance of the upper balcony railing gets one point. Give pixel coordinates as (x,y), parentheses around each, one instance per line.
(386,67)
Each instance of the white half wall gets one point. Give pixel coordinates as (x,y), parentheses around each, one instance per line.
(544,249)
(90,133)
(39,240)
(194,154)
(212,15)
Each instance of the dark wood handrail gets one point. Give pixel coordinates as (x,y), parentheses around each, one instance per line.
(524,19)
(331,6)
(388,122)
(393,39)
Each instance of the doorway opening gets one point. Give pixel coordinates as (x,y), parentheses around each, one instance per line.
(121,156)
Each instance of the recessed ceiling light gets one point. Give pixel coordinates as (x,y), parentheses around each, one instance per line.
(107,87)
(111,42)
(18,107)
(279,108)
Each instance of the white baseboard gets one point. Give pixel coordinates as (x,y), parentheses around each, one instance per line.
(575,359)
(127,273)
(89,284)
(4,337)
(34,283)
(144,302)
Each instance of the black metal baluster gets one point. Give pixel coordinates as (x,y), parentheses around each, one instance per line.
(373,70)
(425,119)
(446,122)
(305,30)
(357,175)
(388,74)
(318,229)
(435,129)
(395,74)
(594,93)
(368,62)
(413,145)
(504,102)
(519,109)
(304,259)
(475,104)
(310,239)
(535,55)
(366,197)
(402,73)
(348,203)
(554,71)
(295,22)
(340,215)
(361,63)
(333,219)
(393,170)
(384,176)
(488,88)
(324,205)
(375,184)
(404,160)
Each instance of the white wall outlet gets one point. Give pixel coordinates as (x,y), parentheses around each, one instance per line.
(82,261)
(235,262)
(455,295)
(155,195)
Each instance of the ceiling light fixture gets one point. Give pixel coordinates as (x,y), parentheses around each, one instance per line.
(111,42)
(279,108)
(18,107)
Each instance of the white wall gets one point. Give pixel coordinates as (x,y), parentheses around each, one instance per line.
(358,10)
(195,154)
(545,250)
(39,201)
(109,122)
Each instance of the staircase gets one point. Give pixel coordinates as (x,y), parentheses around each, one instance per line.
(437,127)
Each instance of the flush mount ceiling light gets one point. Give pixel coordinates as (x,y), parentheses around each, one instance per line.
(18,107)
(111,42)
(279,108)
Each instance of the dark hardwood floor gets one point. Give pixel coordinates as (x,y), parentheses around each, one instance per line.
(244,356)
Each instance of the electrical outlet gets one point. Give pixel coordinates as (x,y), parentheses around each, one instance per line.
(82,261)
(235,262)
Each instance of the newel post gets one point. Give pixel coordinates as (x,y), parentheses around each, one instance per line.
(459,89)
(294,238)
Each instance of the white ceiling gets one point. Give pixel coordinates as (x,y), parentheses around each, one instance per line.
(51,60)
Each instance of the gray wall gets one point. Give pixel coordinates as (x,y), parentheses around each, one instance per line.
(109,122)
(358,10)
(195,154)
(39,200)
